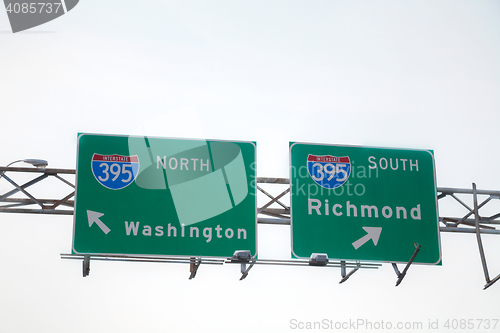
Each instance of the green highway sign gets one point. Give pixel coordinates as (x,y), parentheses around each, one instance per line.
(155,196)
(363,203)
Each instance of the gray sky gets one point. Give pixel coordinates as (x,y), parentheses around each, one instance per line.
(409,74)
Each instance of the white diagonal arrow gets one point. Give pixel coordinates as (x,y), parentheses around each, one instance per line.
(372,233)
(94,217)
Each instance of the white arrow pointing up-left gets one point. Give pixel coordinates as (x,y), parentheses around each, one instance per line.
(94,218)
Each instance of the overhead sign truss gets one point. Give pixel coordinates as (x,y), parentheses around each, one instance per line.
(16,196)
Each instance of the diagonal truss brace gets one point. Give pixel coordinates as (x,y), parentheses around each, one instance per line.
(489,282)
(274,199)
(486,225)
(11,204)
(402,275)
(345,276)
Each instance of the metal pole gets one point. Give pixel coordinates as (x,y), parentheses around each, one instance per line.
(478,234)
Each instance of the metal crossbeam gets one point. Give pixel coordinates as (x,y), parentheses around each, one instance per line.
(278,216)
(10,202)
(21,200)
(449,224)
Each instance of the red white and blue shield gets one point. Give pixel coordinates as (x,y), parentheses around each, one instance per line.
(115,171)
(329,171)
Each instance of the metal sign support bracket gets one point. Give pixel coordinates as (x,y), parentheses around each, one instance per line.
(403,274)
(194,264)
(345,276)
(244,270)
(86,265)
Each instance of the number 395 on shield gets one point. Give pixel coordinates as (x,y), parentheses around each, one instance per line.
(329,171)
(115,171)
